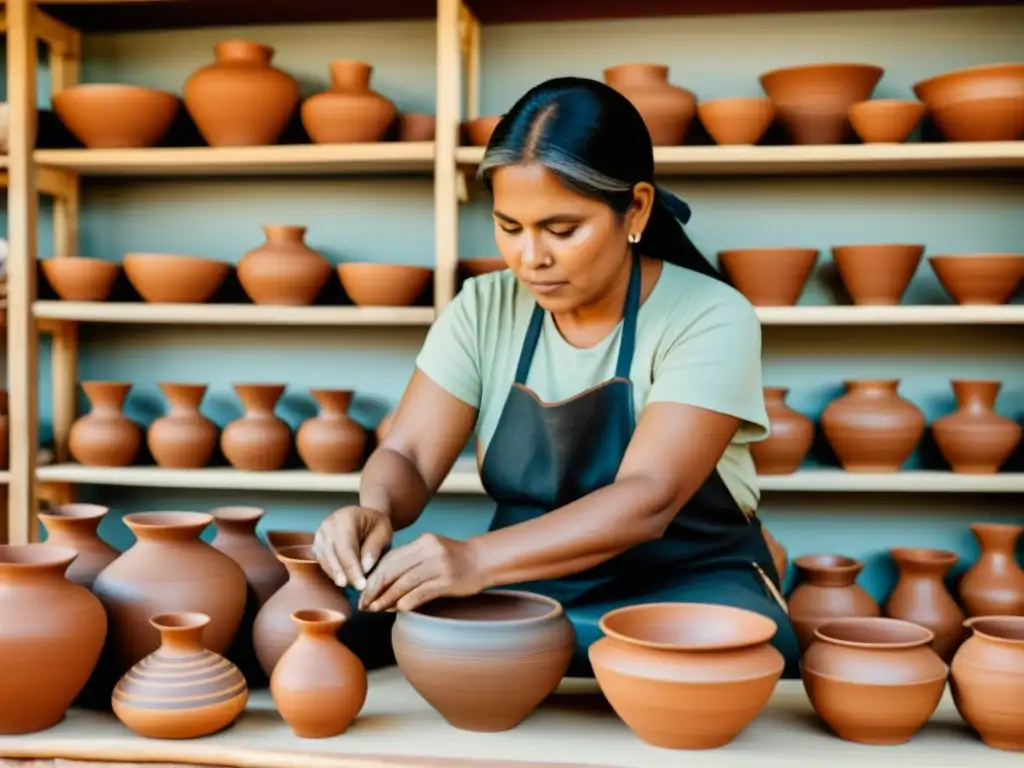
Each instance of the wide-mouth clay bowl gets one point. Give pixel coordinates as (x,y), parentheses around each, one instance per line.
(114,115)
(736,121)
(769,277)
(879,273)
(979,278)
(80,278)
(384,285)
(481,266)
(477,132)
(167,278)
(686,675)
(485,662)
(982,103)
(886,121)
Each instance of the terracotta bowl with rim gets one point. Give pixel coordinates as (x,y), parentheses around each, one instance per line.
(168,278)
(886,121)
(80,278)
(416,126)
(980,103)
(384,285)
(736,121)
(769,277)
(979,278)
(478,132)
(877,274)
(115,115)
(481,266)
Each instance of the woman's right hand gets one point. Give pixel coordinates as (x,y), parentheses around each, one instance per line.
(349,543)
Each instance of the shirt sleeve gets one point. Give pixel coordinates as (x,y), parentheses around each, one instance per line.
(450,356)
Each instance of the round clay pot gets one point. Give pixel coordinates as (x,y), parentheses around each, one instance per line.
(349,111)
(791,436)
(994,585)
(873,680)
(920,596)
(484,662)
(886,121)
(482,266)
(384,285)
(51,636)
(980,103)
(686,675)
(985,679)
(877,275)
(414,126)
(769,277)
(736,121)
(979,278)
(319,686)
(871,428)
(827,589)
(667,110)
(182,690)
(284,270)
(259,441)
(236,537)
(164,278)
(277,540)
(240,100)
(79,278)
(184,438)
(975,439)
(478,132)
(115,115)
(105,437)
(76,526)
(331,442)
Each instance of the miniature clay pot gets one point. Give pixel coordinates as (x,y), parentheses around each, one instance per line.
(920,596)
(76,526)
(184,438)
(994,585)
(667,110)
(349,111)
(686,675)
(236,537)
(736,121)
(792,433)
(871,428)
(259,441)
(980,103)
(769,277)
(975,439)
(79,278)
(484,662)
(478,132)
(886,121)
(827,589)
(877,275)
(414,126)
(105,437)
(979,278)
(331,442)
(165,278)
(873,680)
(115,115)
(384,285)
(284,270)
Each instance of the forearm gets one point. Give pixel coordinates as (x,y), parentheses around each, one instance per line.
(391,483)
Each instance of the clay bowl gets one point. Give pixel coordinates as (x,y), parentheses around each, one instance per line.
(478,132)
(979,278)
(769,277)
(983,103)
(383,285)
(485,662)
(112,115)
(736,121)
(813,101)
(686,675)
(877,275)
(80,278)
(886,121)
(166,278)
(481,266)
(416,127)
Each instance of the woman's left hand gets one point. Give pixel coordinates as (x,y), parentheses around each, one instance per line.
(432,566)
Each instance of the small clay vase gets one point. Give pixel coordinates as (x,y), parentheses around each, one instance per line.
(975,439)
(349,111)
(827,589)
(791,436)
(920,596)
(284,270)
(994,585)
(667,110)
(769,277)
(259,441)
(105,437)
(181,690)
(873,680)
(236,537)
(75,526)
(319,685)
(871,428)
(184,438)
(877,275)
(331,442)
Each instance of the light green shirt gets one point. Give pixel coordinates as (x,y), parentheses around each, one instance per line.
(698,342)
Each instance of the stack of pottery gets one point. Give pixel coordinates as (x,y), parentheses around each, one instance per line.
(827,589)
(871,428)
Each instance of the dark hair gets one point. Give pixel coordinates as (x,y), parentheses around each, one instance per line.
(596,142)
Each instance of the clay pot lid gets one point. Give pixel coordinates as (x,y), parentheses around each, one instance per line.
(1008,630)
(174,278)
(479,130)
(387,285)
(482,265)
(886,121)
(733,121)
(498,607)
(109,115)
(74,511)
(35,556)
(873,632)
(688,626)
(80,278)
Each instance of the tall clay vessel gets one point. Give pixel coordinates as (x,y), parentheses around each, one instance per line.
(994,585)
(259,441)
(184,438)
(791,436)
(105,437)
(920,596)
(76,526)
(975,439)
(667,110)
(349,111)
(827,589)
(871,428)
(284,270)
(332,442)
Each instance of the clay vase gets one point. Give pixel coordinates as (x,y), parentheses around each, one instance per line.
(51,636)
(994,585)
(181,690)
(485,662)
(319,685)
(667,110)
(791,436)
(975,439)
(284,270)
(827,589)
(349,111)
(75,526)
(105,437)
(307,587)
(259,441)
(240,100)
(686,675)
(184,438)
(873,680)
(780,558)
(986,679)
(332,442)
(236,537)
(920,596)
(877,275)
(871,428)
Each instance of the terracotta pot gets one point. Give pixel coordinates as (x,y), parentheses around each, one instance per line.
(331,442)
(873,680)
(478,132)
(349,111)
(184,438)
(994,585)
(307,587)
(975,439)
(181,690)
(105,437)
(51,636)
(877,275)
(886,121)
(482,266)
(769,277)
(981,103)
(484,662)
(165,278)
(319,685)
(979,278)
(792,433)
(259,441)
(920,596)
(871,428)
(240,100)
(276,540)
(384,285)
(736,121)
(416,127)
(667,110)
(985,679)
(75,526)
(780,558)
(827,589)
(79,278)
(236,537)
(115,115)
(686,675)
(284,270)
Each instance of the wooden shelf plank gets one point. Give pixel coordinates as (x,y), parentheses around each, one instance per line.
(911,481)
(900,315)
(5,477)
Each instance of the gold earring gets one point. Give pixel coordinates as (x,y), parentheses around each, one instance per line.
(633,238)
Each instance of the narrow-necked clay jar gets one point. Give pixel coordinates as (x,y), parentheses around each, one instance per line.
(184,438)
(975,439)
(284,270)
(105,437)
(319,685)
(871,428)
(236,537)
(791,436)
(873,680)
(349,111)
(259,441)
(877,275)
(994,585)
(76,526)
(667,110)
(331,442)
(769,277)
(920,596)
(827,589)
